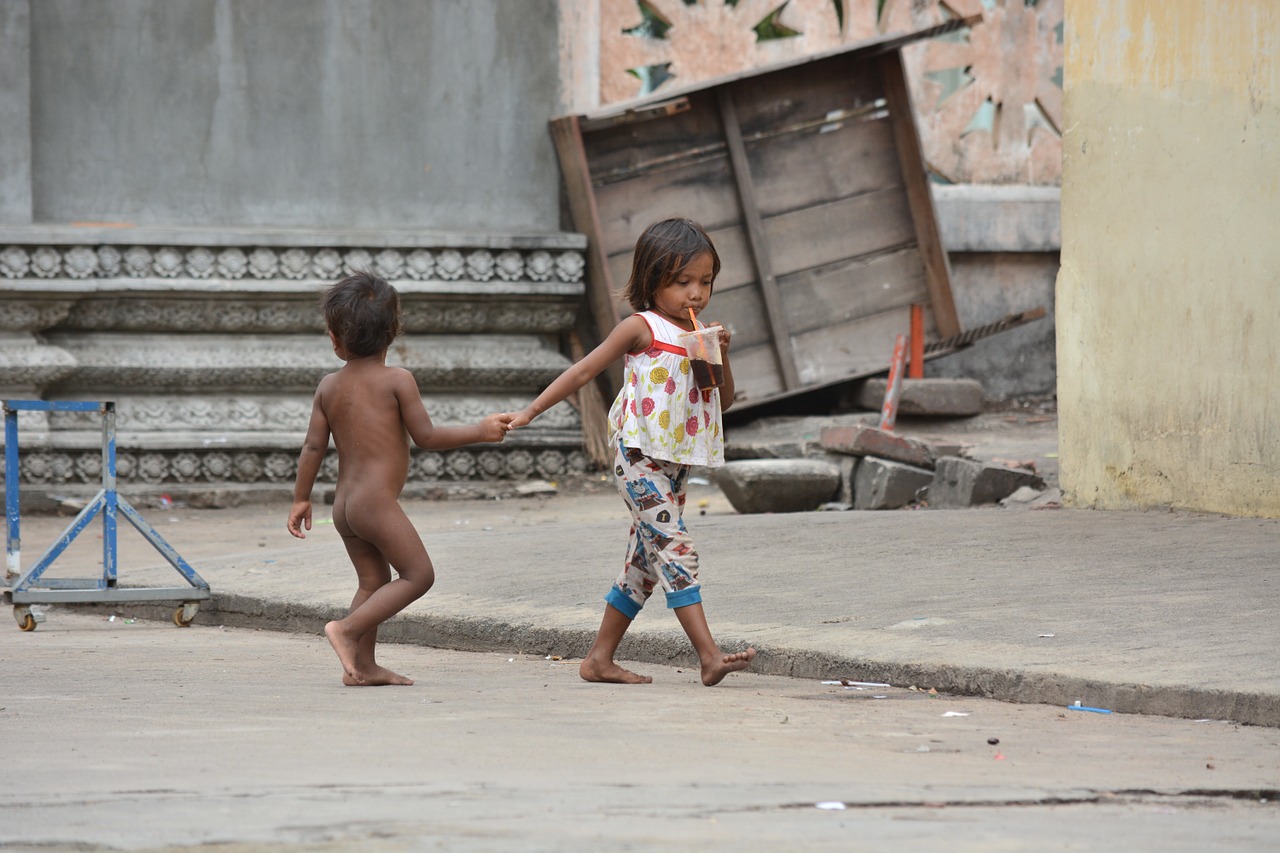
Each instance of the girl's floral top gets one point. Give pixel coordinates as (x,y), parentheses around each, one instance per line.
(659,410)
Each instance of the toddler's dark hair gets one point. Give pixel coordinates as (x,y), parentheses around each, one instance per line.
(663,250)
(363,312)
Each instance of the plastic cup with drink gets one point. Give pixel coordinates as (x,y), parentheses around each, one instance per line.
(705,360)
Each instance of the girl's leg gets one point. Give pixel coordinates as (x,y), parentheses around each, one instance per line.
(599,665)
(665,550)
(635,583)
(715,663)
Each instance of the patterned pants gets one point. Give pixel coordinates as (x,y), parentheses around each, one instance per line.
(660,552)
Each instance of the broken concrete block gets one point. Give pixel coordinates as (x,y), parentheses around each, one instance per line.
(778,485)
(942,447)
(863,440)
(785,437)
(932,397)
(885,484)
(848,466)
(965,482)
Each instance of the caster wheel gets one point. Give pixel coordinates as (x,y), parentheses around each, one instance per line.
(186,614)
(26,619)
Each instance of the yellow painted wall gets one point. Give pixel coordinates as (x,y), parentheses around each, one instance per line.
(1168,297)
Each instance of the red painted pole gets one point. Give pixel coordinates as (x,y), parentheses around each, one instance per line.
(889,414)
(917,342)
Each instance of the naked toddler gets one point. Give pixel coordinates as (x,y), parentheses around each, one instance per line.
(372,410)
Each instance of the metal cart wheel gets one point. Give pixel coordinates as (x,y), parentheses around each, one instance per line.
(25,618)
(186,614)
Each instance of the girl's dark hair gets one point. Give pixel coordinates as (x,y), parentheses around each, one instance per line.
(663,250)
(363,312)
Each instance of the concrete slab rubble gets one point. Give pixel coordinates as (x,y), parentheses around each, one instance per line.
(778,485)
(885,484)
(864,440)
(935,397)
(965,482)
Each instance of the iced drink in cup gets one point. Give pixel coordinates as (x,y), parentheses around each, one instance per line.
(703,347)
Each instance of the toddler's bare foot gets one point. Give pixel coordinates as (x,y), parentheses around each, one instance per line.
(347,651)
(610,673)
(376,677)
(715,671)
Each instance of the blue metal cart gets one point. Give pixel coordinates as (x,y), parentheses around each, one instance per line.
(27,590)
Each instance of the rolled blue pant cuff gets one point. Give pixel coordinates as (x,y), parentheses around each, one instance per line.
(622,603)
(685,597)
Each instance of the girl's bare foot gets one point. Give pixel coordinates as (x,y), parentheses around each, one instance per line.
(376,677)
(714,671)
(610,673)
(347,650)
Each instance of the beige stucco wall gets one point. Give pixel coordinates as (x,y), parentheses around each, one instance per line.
(1168,297)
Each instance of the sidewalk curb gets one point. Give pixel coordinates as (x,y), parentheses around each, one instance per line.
(669,648)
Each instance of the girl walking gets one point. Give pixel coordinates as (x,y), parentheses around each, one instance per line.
(661,424)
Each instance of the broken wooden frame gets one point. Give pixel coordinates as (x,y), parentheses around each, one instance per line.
(810,180)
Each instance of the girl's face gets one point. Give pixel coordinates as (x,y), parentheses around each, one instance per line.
(691,288)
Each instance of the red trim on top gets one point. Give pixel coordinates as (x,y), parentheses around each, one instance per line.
(666,347)
(662,346)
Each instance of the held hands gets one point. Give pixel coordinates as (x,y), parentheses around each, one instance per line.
(520,418)
(495,427)
(299,515)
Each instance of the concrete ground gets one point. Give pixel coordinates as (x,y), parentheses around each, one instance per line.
(236,734)
(136,735)
(1139,612)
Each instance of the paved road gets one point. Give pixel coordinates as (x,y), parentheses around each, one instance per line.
(133,735)
(136,735)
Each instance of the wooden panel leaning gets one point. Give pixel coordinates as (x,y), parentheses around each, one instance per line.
(809,178)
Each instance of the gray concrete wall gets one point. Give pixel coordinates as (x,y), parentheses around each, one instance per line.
(15,111)
(316,113)
(1002,243)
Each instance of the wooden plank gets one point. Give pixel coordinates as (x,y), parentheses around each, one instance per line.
(665,109)
(831,352)
(804,169)
(831,295)
(920,199)
(755,371)
(582,206)
(756,238)
(849,290)
(792,96)
(627,147)
(826,233)
(742,311)
(703,192)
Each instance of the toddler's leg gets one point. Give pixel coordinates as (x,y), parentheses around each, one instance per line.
(379,536)
(372,573)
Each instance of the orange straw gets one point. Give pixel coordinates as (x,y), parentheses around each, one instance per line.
(702,345)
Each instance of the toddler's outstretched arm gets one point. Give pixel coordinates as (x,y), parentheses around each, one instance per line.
(427,435)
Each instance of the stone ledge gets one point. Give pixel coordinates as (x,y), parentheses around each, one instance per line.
(305,289)
(70,235)
(1014,218)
